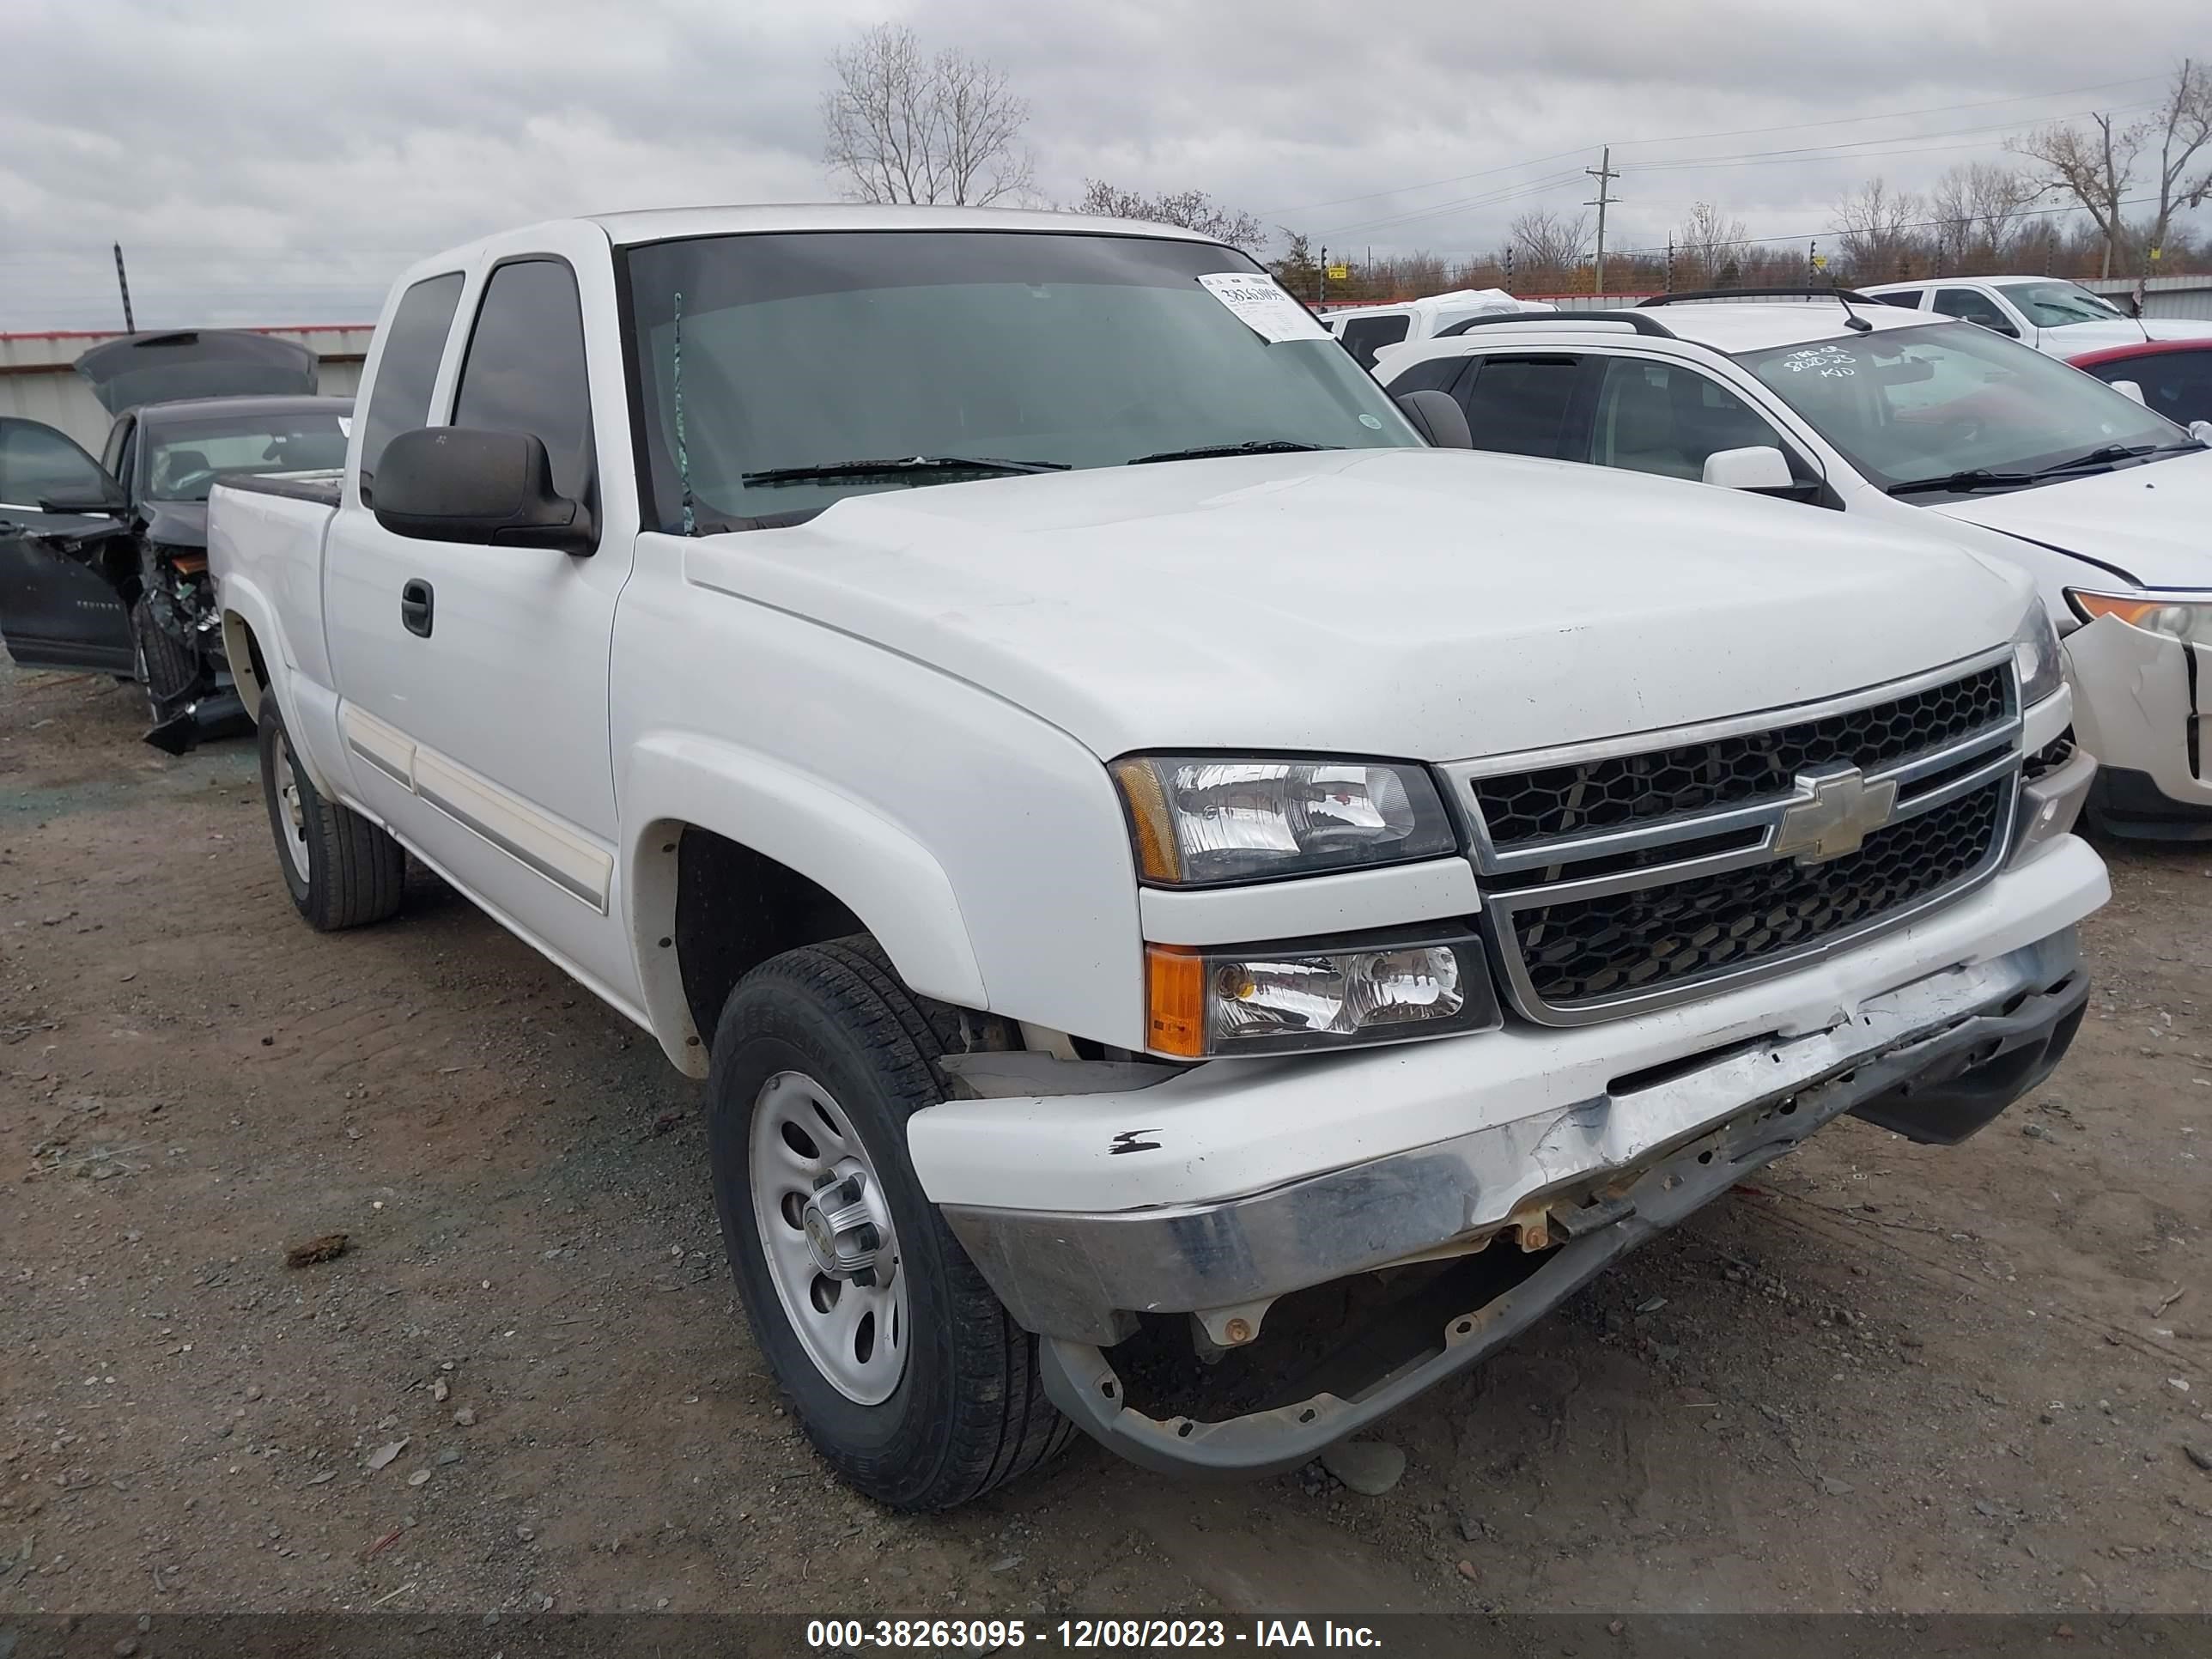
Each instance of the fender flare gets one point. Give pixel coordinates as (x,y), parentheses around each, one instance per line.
(875,867)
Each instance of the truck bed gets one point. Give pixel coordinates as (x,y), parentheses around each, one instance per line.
(322,487)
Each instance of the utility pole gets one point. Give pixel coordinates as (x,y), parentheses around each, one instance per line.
(1605,175)
(122,281)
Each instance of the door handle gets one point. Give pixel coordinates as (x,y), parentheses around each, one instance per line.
(416,603)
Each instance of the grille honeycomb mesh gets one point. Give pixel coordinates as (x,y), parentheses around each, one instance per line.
(1629,789)
(1584,951)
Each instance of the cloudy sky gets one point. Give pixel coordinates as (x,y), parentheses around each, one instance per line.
(265,162)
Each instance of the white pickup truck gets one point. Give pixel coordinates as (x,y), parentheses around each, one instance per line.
(1129,831)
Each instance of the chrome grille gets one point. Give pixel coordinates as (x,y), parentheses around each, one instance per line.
(1622,876)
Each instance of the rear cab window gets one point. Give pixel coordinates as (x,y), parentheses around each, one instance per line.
(407,370)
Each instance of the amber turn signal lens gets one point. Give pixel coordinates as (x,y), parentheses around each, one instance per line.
(1174,1001)
(2094,605)
(1157,859)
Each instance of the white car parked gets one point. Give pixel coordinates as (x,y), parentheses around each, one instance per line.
(1908,419)
(2048,313)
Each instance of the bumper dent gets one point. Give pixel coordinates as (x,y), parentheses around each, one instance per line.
(1989,1040)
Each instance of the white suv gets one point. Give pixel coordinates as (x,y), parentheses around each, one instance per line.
(1872,409)
(2048,313)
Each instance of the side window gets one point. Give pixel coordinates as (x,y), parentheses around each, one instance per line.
(525,369)
(1910,300)
(399,401)
(113,457)
(1363,336)
(1433,375)
(2177,384)
(1521,405)
(1970,306)
(1664,418)
(37,462)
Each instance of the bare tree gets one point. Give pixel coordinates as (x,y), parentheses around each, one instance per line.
(2094,165)
(1976,206)
(1874,224)
(1193,209)
(901,127)
(1706,243)
(1549,244)
(2181,127)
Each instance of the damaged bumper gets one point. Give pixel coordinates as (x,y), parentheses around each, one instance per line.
(2140,700)
(1934,1061)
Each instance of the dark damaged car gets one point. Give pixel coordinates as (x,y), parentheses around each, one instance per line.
(103,564)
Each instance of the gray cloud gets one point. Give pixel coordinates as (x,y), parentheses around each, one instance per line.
(265,162)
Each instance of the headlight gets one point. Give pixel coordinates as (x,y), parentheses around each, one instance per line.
(1256,999)
(2191,623)
(1197,819)
(2035,656)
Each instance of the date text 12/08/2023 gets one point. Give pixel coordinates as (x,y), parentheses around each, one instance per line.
(990,1635)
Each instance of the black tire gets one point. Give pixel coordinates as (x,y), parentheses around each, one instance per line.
(167,668)
(356,873)
(969,1411)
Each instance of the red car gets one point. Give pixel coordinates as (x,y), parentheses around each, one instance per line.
(2175,375)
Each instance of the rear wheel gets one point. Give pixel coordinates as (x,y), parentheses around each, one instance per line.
(907,1373)
(341,870)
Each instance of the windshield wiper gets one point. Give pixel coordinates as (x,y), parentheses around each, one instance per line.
(2114,453)
(1979,477)
(898,467)
(1253,446)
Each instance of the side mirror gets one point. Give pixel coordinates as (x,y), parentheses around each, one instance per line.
(2130,389)
(2005,329)
(1761,466)
(2202,431)
(106,499)
(1437,417)
(450,483)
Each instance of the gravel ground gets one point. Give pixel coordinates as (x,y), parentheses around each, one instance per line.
(1883,1377)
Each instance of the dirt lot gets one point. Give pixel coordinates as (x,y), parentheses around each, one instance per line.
(1884,1378)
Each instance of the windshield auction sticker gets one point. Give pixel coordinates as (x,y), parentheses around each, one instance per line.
(1262,305)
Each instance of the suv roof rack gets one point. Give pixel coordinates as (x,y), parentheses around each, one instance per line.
(1635,320)
(1844,295)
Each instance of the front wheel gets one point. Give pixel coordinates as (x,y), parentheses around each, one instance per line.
(905,1372)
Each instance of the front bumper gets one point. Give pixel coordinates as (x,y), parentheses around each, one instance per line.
(2139,701)
(1934,1061)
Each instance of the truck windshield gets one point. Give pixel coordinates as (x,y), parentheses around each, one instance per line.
(2058,305)
(187,457)
(809,358)
(1913,407)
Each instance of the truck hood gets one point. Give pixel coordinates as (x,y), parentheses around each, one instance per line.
(2151,523)
(2075,338)
(1432,604)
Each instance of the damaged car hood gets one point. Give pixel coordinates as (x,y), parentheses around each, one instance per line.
(2152,523)
(1425,603)
(207,363)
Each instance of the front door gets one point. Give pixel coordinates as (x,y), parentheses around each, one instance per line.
(474,678)
(58,607)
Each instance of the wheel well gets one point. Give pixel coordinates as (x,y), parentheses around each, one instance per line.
(734,909)
(249,673)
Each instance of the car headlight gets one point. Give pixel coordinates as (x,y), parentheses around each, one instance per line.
(1263,999)
(2035,656)
(1200,819)
(2190,623)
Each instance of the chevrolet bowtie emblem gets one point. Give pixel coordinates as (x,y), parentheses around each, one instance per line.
(1833,814)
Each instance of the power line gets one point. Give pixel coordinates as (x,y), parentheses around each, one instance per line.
(1737,132)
